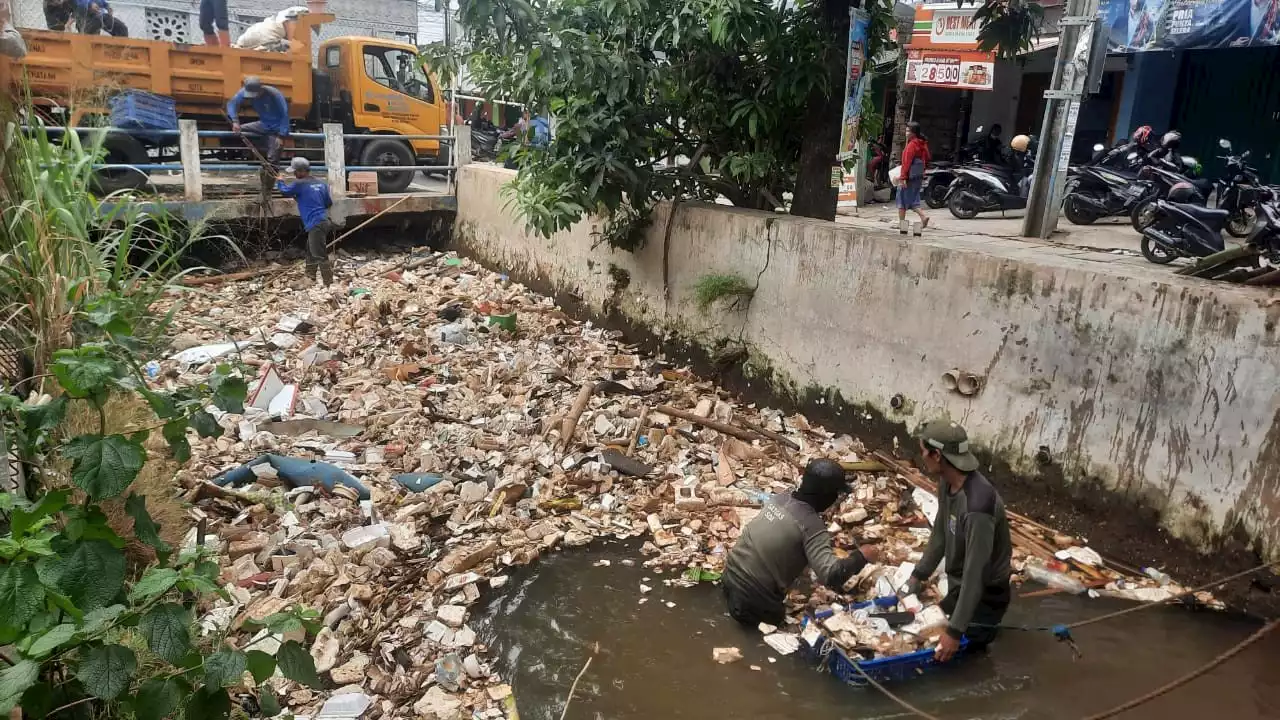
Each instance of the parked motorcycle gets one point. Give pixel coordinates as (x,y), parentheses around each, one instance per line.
(1097,190)
(1181,226)
(1237,192)
(941,174)
(1266,231)
(988,189)
(1157,179)
(484,140)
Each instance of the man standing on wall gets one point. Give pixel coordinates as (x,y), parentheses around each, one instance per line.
(971,533)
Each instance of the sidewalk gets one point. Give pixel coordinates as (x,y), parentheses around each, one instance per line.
(1114,236)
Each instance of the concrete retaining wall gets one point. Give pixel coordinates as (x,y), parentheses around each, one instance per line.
(1163,388)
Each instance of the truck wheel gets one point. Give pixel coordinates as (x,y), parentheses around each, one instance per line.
(120,149)
(389,152)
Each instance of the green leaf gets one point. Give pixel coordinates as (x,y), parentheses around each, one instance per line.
(91,574)
(51,640)
(208,703)
(99,619)
(37,701)
(164,406)
(156,581)
(110,313)
(268,702)
(144,527)
(14,681)
(261,665)
(167,630)
(51,503)
(224,667)
(104,466)
(282,623)
(297,664)
(204,424)
(106,670)
(158,698)
(86,372)
(175,433)
(21,596)
(90,523)
(229,391)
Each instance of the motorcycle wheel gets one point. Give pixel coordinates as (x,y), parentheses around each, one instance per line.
(1143,213)
(935,196)
(1076,212)
(1156,254)
(1240,223)
(961,208)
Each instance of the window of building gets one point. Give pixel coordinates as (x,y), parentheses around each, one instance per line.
(168,25)
(398,69)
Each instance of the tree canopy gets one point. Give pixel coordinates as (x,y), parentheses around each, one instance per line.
(666,99)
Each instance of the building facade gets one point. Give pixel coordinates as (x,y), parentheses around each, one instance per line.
(179,20)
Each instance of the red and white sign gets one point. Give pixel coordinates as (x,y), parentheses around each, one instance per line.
(959,69)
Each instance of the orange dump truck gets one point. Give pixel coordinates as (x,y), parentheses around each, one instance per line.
(369,85)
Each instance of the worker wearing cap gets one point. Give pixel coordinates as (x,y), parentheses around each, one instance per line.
(273,114)
(313,205)
(786,537)
(971,533)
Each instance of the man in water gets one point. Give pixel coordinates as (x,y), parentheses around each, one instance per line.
(314,202)
(786,537)
(971,532)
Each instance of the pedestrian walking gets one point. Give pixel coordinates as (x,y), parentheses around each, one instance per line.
(915,160)
(314,202)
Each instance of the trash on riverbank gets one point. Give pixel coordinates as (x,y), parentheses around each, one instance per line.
(472,449)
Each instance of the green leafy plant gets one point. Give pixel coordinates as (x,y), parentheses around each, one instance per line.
(83,633)
(1009,27)
(711,289)
(73,261)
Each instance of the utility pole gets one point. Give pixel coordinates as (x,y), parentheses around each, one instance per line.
(1066,91)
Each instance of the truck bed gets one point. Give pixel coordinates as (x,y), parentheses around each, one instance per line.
(63,67)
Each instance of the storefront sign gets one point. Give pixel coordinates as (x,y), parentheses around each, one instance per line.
(945,25)
(971,70)
(1139,25)
(954,27)
(855,83)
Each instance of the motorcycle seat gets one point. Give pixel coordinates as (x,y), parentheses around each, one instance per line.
(1212,217)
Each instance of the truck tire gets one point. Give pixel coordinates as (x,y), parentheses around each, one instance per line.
(120,149)
(389,152)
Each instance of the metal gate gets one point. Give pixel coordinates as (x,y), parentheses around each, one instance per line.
(1231,93)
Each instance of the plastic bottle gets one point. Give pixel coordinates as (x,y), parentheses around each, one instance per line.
(1156,575)
(1054,579)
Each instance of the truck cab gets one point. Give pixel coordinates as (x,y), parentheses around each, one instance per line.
(381,89)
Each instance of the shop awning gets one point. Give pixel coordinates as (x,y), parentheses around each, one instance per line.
(1042,43)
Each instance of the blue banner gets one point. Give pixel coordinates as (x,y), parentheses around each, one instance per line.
(1138,25)
(855,83)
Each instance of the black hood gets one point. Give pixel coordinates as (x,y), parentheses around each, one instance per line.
(821,485)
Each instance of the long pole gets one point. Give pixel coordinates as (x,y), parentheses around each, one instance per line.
(1070,72)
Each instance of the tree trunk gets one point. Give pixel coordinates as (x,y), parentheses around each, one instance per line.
(814,197)
(901,107)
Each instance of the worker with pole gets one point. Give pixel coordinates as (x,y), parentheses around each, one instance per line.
(314,202)
(273,115)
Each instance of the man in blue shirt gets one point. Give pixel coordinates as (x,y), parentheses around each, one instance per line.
(273,114)
(313,205)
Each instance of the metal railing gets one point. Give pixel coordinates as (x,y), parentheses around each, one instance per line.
(192,166)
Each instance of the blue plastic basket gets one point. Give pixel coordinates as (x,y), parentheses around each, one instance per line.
(882,670)
(138,110)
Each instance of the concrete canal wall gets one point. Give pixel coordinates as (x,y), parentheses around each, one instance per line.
(1162,388)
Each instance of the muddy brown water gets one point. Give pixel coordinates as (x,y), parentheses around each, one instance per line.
(654,661)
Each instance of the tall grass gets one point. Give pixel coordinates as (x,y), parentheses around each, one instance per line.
(63,249)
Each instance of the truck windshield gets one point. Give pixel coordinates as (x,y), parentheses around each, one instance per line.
(398,69)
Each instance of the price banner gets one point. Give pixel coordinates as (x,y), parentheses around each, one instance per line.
(959,69)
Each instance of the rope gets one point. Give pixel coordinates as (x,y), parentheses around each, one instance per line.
(1230,653)
(901,703)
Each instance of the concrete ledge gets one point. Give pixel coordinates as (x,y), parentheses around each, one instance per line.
(1163,388)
